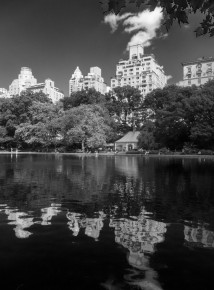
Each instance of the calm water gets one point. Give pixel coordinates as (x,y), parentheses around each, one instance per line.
(107,222)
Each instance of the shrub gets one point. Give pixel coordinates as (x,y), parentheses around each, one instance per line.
(206,152)
(164,150)
(153,151)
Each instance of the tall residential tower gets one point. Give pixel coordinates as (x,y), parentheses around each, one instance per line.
(140,71)
(93,79)
(25,80)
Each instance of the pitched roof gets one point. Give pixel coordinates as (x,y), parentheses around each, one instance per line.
(129,137)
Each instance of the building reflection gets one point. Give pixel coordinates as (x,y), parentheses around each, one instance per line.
(127,165)
(198,237)
(49,212)
(23,220)
(139,235)
(92,226)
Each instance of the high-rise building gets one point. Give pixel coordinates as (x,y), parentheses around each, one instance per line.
(4,93)
(93,80)
(76,81)
(198,72)
(25,80)
(49,89)
(140,71)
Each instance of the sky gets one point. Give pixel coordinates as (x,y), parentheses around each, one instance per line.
(53,37)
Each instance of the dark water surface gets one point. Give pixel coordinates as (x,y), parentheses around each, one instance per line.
(107,222)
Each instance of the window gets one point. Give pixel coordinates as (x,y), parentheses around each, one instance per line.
(189,82)
(199,81)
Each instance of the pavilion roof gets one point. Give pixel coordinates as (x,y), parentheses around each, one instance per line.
(130,137)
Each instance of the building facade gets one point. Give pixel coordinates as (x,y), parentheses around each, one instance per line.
(76,81)
(198,72)
(140,71)
(49,89)
(93,80)
(4,93)
(25,80)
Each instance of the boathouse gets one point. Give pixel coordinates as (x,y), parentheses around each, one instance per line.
(128,142)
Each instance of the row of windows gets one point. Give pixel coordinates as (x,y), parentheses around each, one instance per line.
(199,81)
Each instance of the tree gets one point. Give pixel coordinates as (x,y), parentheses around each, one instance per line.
(124,105)
(86,125)
(173,119)
(146,139)
(83,97)
(201,110)
(34,135)
(19,112)
(174,10)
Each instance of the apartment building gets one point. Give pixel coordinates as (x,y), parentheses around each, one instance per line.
(93,80)
(48,88)
(140,71)
(76,81)
(198,72)
(25,80)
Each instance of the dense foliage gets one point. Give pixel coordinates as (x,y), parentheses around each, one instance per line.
(180,117)
(174,118)
(174,10)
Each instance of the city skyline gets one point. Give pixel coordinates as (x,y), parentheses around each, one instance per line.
(53,39)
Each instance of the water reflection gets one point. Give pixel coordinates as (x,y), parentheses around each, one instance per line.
(24,220)
(21,220)
(49,212)
(92,226)
(121,203)
(139,234)
(198,237)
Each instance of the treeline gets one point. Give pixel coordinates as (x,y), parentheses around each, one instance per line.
(173,118)
(180,118)
(85,120)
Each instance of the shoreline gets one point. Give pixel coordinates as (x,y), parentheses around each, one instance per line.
(110,154)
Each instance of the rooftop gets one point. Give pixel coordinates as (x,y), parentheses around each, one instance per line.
(131,136)
(199,60)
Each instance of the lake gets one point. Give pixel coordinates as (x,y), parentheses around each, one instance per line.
(106,222)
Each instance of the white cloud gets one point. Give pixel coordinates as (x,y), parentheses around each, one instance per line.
(144,24)
(113,20)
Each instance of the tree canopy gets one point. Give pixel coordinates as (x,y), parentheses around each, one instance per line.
(174,10)
(86,125)
(86,97)
(124,104)
(181,116)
